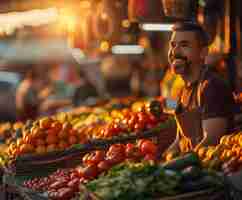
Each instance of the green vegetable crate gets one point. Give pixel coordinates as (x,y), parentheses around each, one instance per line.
(209,194)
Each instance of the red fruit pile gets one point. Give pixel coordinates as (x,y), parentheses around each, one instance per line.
(128,121)
(62,184)
(100,161)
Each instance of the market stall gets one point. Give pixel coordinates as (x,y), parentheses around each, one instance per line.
(111,153)
(116,148)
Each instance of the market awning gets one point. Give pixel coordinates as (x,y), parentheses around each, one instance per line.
(9,22)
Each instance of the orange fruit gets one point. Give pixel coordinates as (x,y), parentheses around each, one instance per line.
(66,126)
(17,125)
(19,142)
(51,131)
(202,152)
(236,138)
(27,139)
(45,123)
(240,141)
(56,126)
(73,132)
(12,146)
(36,132)
(51,147)
(22,149)
(40,149)
(39,142)
(62,135)
(63,145)
(229,154)
(83,138)
(51,139)
(25,133)
(72,140)
(223,139)
(26,148)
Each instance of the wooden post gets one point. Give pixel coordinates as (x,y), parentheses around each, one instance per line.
(230,38)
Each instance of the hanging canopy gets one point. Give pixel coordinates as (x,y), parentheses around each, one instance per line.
(9,22)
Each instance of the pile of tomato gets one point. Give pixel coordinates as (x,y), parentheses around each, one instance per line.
(64,183)
(97,162)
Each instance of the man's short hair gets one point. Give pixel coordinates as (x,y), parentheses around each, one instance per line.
(202,35)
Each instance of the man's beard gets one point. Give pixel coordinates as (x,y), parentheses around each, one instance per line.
(180,65)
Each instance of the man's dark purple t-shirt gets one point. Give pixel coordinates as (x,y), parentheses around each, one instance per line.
(215,97)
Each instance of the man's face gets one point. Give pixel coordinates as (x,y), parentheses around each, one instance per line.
(184,52)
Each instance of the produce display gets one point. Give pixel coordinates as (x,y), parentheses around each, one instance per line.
(63,184)
(97,162)
(132,169)
(58,133)
(128,179)
(228,151)
(149,181)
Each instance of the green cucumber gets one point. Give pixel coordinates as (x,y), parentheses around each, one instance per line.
(182,162)
(191,173)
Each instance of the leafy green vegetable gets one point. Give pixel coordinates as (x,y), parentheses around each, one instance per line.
(141,181)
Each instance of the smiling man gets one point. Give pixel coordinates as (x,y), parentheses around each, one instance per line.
(206,105)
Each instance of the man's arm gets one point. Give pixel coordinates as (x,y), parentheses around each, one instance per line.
(217,110)
(174,147)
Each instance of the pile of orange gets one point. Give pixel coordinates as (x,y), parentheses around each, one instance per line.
(46,135)
(230,147)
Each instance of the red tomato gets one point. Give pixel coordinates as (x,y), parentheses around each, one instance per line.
(129,149)
(116,148)
(132,152)
(148,147)
(139,126)
(116,153)
(140,142)
(114,129)
(150,157)
(93,158)
(142,117)
(125,120)
(90,172)
(126,112)
(104,165)
(98,157)
(115,158)
(152,119)
(86,159)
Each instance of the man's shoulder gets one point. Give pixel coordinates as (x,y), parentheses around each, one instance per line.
(214,82)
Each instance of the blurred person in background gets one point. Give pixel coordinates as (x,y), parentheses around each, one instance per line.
(85,92)
(32,92)
(117,71)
